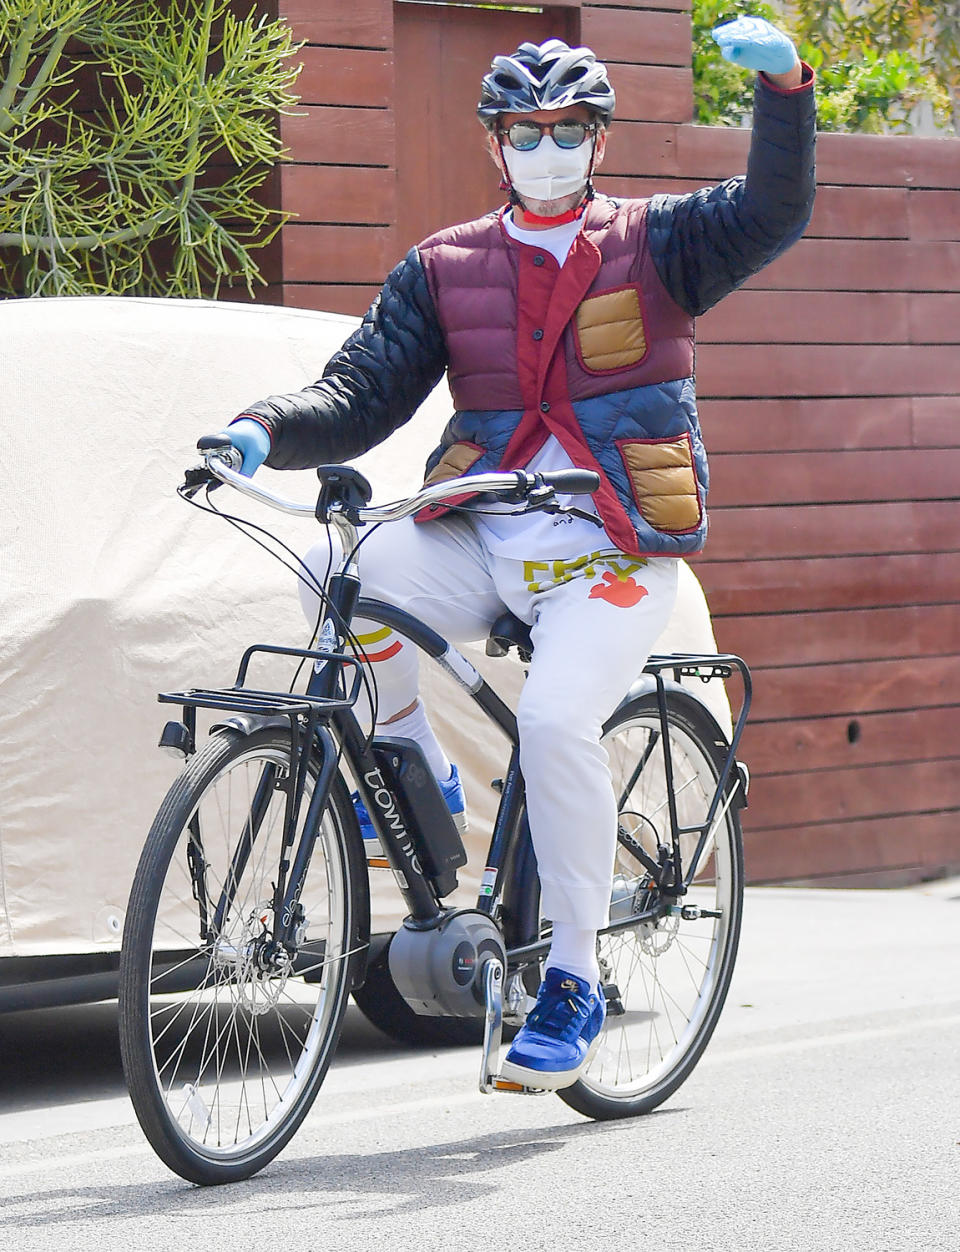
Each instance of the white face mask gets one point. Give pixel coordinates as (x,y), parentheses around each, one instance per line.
(548,172)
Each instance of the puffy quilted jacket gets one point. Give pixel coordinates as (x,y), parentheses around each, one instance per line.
(599,353)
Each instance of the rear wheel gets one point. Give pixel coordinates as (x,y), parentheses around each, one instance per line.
(667,979)
(225,1044)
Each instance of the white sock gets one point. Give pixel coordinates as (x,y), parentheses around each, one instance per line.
(575,952)
(416,727)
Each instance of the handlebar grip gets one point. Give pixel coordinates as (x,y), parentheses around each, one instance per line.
(573,482)
(210,443)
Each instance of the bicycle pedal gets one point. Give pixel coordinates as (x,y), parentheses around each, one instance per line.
(515,1088)
(611,993)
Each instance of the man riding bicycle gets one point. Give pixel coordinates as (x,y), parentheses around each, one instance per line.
(565,323)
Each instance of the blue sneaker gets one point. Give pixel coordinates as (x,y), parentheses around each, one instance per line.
(560,1036)
(452,791)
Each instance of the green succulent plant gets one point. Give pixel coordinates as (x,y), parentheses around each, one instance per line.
(134,138)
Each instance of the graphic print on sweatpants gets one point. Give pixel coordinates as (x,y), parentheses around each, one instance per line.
(617,583)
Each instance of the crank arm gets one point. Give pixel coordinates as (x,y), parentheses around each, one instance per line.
(493,1025)
(490,1080)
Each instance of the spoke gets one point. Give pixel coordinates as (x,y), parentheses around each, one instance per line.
(243,1055)
(172,969)
(285,1030)
(197,1012)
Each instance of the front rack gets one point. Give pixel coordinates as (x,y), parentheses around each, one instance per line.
(242,699)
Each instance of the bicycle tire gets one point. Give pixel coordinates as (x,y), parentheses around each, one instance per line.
(671,977)
(223,1060)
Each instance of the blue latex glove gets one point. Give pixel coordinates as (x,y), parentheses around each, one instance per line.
(756,45)
(250,439)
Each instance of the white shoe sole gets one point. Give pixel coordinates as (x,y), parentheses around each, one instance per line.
(547,1080)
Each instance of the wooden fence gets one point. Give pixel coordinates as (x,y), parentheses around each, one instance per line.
(829,394)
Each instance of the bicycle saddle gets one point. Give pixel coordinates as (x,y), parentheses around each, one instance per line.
(509,632)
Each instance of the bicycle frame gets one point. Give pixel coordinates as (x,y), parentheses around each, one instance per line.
(324,717)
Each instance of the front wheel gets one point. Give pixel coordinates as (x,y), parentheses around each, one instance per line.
(224,1046)
(667,979)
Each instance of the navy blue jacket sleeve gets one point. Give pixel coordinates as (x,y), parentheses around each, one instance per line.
(705,244)
(372,385)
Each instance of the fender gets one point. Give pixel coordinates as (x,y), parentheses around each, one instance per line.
(249,723)
(646,684)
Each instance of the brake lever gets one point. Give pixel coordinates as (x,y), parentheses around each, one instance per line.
(573,511)
(195,479)
(199,476)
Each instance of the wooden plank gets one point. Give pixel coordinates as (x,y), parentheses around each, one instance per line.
(346,76)
(653,93)
(850,689)
(865,265)
(336,193)
(933,215)
(648,148)
(860,213)
(715,152)
(334,136)
(642,187)
(337,254)
(935,422)
(804,639)
(778,531)
(927,844)
(934,318)
(885,160)
(729,370)
(851,582)
(820,743)
(638,37)
(329,297)
(783,800)
(680,6)
(838,212)
(843,477)
(787,423)
(820,317)
(359,24)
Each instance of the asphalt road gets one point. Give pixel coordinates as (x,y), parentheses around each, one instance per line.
(825,1115)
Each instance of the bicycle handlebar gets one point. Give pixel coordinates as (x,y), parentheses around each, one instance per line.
(517,485)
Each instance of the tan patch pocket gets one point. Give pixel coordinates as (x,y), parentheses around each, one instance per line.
(664,482)
(610,331)
(455,461)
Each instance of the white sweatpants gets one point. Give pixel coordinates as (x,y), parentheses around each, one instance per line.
(594,621)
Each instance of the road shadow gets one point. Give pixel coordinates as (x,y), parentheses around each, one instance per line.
(391,1183)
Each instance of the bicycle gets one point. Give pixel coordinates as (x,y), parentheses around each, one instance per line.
(248,924)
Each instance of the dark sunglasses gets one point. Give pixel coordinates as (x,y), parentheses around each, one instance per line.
(525,136)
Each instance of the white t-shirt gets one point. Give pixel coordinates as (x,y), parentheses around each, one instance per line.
(543,536)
